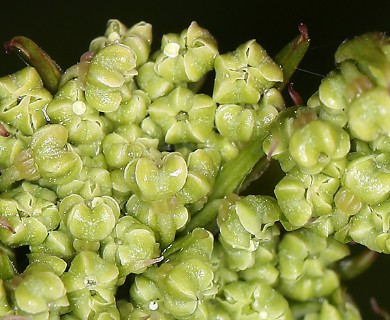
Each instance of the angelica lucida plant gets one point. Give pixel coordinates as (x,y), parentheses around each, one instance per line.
(125,185)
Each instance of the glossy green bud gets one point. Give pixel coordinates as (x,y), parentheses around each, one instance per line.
(156,177)
(152,83)
(243,75)
(41,293)
(35,201)
(91,272)
(89,220)
(256,300)
(203,166)
(368,178)
(24,229)
(304,259)
(165,217)
(370,227)
(186,57)
(90,183)
(23,99)
(5,308)
(56,161)
(131,246)
(110,71)
(138,37)
(42,261)
(317,144)
(9,149)
(7,267)
(69,103)
(133,110)
(184,116)
(58,243)
(369,114)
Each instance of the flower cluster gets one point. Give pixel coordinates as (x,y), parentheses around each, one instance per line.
(122,186)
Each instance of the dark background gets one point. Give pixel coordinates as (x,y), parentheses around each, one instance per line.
(65,28)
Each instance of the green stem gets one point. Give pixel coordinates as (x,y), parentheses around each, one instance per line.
(351,267)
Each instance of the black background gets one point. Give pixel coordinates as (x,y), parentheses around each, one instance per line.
(65,28)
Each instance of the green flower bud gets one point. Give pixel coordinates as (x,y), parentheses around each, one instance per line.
(369,114)
(57,243)
(42,261)
(317,144)
(24,229)
(304,257)
(370,227)
(370,52)
(7,267)
(56,161)
(186,57)
(41,293)
(368,178)
(138,37)
(227,149)
(165,217)
(120,150)
(243,75)
(35,201)
(9,149)
(159,176)
(22,101)
(302,197)
(5,308)
(91,182)
(133,110)
(203,166)
(184,116)
(264,267)
(110,71)
(89,271)
(69,103)
(256,300)
(132,247)
(152,83)
(93,220)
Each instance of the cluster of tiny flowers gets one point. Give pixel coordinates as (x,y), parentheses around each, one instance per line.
(120,191)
